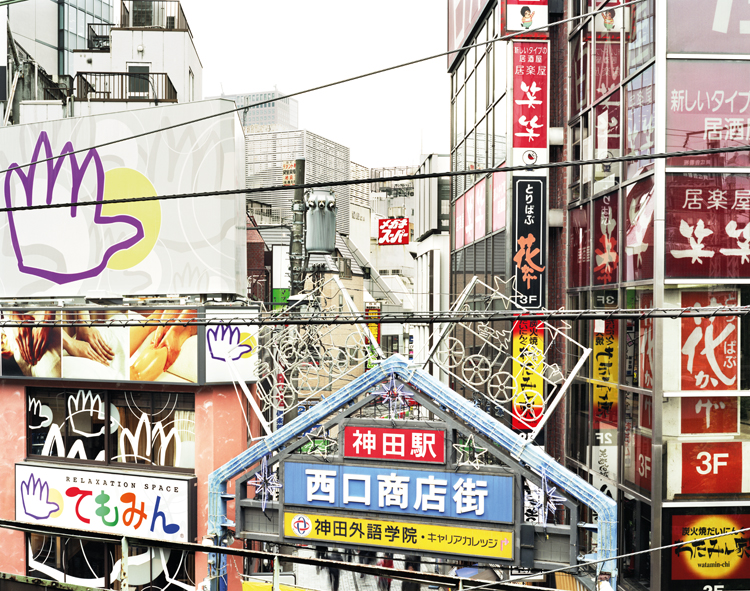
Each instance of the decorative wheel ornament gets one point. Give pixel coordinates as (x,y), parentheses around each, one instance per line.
(355,347)
(476,370)
(306,375)
(528,406)
(452,354)
(335,362)
(501,387)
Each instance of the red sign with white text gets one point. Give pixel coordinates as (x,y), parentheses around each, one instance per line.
(393,231)
(712,467)
(530,89)
(410,445)
(710,346)
(708,226)
(643,463)
(458,226)
(646,412)
(607,259)
(718,414)
(469,219)
(646,345)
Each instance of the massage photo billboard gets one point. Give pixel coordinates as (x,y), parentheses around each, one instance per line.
(89,247)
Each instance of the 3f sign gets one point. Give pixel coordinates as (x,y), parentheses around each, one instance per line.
(713,588)
(644,465)
(710,462)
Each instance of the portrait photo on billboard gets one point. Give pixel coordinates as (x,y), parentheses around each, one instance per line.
(165,347)
(34,347)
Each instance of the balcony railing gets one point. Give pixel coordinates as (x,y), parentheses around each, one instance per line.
(125,86)
(98,37)
(153,14)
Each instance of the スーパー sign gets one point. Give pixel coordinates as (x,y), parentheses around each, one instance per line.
(411,445)
(108,502)
(393,490)
(394,534)
(393,231)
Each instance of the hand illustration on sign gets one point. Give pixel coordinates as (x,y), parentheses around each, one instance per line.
(62,245)
(225,343)
(35,498)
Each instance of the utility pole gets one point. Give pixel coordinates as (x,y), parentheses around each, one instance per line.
(296,257)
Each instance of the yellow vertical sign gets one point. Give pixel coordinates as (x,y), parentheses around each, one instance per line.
(607,372)
(528,368)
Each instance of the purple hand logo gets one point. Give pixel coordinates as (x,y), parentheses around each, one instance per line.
(224,343)
(35,498)
(63,245)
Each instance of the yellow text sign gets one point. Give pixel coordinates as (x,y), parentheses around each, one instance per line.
(492,543)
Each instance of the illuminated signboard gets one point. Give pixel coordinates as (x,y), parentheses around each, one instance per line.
(393,231)
(411,445)
(408,536)
(109,502)
(386,489)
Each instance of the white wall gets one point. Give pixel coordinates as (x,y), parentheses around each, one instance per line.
(359,227)
(34,27)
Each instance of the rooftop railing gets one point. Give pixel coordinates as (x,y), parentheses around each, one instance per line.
(125,86)
(153,14)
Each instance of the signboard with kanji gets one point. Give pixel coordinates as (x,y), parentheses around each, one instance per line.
(719,563)
(717,414)
(421,493)
(530,92)
(443,539)
(605,357)
(528,365)
(289,171)
(529,245)
(393,231)
(381,443)
(710,346)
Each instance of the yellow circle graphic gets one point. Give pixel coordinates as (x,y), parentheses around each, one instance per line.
(125,183)
(55,497)
(247,339)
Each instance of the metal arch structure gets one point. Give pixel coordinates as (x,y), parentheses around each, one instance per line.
(530,455)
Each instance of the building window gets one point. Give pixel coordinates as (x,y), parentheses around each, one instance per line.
(113,427)
(138,80)
(191,82)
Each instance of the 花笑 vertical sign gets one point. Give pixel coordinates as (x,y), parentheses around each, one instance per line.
(530,137)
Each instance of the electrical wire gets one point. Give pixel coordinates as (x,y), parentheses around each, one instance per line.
(431,175)
(329,85)
(295,317)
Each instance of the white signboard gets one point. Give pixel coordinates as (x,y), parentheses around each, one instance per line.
(231,350)
(179,246)
(109,502)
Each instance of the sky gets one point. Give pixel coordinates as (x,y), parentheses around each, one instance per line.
(385,120)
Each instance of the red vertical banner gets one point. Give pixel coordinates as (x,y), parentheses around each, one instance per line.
(710,346)
(458,212)
(469,217)
(530,93)
(646,344)
(480,208)
(606,257)
(499,192)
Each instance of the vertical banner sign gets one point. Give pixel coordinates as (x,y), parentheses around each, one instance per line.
(646,344)
(710,346)
(530,104)
(530,240)
(469,216)
(528,366)
(372,312)
(459,222)
(289,170)
(606,371)
(480,209)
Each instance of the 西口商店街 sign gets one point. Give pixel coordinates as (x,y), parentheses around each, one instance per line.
(405,492)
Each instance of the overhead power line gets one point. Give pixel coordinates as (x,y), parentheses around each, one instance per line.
(297,317)
(327,184)
(330,84)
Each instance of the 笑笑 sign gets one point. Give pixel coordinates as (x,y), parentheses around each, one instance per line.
(395,534)
(109,502)
(158,247)
(416,493)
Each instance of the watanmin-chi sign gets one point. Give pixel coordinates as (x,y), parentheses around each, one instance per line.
(108,502)
(377,443)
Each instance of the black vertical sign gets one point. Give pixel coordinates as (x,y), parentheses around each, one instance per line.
(529,245)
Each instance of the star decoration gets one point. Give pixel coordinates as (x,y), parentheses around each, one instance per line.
(321,444)
(470,454)
(266,482)
(544,500)
(395,397)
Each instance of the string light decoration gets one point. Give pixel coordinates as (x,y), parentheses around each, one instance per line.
(397,399)
(470,454)
(266,482)
(321,445)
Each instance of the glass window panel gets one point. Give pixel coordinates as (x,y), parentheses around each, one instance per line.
(639,230)
(471,103)
(501,84)
(639,105)
(81,28)
(607,139)
(72,21)
(607,57)
(106,13)
(481,76)
(471,162)
(461,115)
(481,141)
(580,64)
(461,165)
(579,425)
(98,8)
(580,246)
(640,42)
(500,136)
(606,257)
(90,6)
